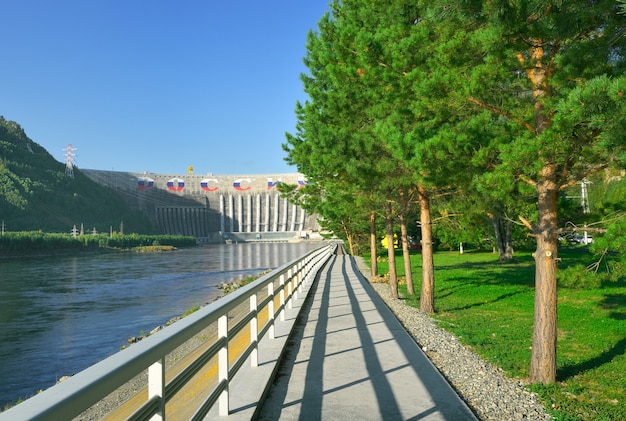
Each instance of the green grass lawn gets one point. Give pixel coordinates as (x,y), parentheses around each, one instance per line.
(489,306)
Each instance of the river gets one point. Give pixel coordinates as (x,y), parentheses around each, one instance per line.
(59,315)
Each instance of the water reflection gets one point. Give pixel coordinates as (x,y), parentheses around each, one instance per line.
(60,315)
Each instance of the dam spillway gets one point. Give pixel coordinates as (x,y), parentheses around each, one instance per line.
(213,207)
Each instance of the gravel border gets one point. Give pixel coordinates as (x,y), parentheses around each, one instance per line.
(483,386)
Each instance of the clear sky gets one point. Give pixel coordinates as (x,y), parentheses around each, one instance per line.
(155,85)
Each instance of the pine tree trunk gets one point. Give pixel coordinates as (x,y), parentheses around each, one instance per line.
(503,237)
(406,255)
(350,243)
(391,253)
(373,254)
(543,357)
(427,295)
(508,242)
(497,229)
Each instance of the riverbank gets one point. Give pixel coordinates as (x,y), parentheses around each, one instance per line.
(84,251)
(40,244)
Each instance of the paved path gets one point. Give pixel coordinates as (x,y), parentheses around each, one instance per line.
(350,359)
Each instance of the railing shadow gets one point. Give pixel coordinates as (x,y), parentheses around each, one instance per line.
(383,390)
(370,368)
(441,393)
(287,362)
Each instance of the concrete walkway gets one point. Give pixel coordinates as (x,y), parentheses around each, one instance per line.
(349,358)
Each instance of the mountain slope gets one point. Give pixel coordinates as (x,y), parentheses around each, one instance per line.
(36,194)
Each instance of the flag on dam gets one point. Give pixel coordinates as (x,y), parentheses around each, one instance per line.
(175,184)
(271,183)
(237,184)
(205,184)
(144,183)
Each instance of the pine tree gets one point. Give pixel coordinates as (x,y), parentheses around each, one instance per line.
(546,80)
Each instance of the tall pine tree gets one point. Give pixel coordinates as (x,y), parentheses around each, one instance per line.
(550,75)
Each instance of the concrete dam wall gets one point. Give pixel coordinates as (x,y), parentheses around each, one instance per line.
(214,208)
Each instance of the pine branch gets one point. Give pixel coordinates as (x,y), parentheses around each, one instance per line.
(502,113)
(527,223)
(527,180)
(448,216)
(587,173)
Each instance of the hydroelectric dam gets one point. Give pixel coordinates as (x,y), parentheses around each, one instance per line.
(214,208)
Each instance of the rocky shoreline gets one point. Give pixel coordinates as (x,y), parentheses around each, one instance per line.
(103,408)
(226,289)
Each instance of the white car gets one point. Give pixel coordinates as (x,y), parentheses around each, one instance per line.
(582,239)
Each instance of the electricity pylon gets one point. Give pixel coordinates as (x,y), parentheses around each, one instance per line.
(69,160)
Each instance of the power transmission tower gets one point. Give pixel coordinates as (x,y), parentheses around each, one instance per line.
(584,197)
(69,160)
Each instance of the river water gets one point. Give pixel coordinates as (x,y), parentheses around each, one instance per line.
(59,315)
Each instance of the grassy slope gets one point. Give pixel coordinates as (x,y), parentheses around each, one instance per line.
(489,306)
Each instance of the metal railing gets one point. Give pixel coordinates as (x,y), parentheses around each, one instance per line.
(277,290)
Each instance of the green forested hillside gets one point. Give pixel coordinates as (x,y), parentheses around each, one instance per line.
(36,194)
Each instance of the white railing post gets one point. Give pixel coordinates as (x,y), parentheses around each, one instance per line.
(270,311)
(222,364)
(309,268)
(301,277)
(254,331)
(289,289)
(282,297)
(296,276)
(156,387)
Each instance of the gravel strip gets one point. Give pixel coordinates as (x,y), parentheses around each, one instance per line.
(483,386)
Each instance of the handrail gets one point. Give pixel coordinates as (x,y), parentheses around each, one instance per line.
(73,396)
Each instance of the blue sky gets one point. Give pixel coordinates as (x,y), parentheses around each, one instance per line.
(154,85)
